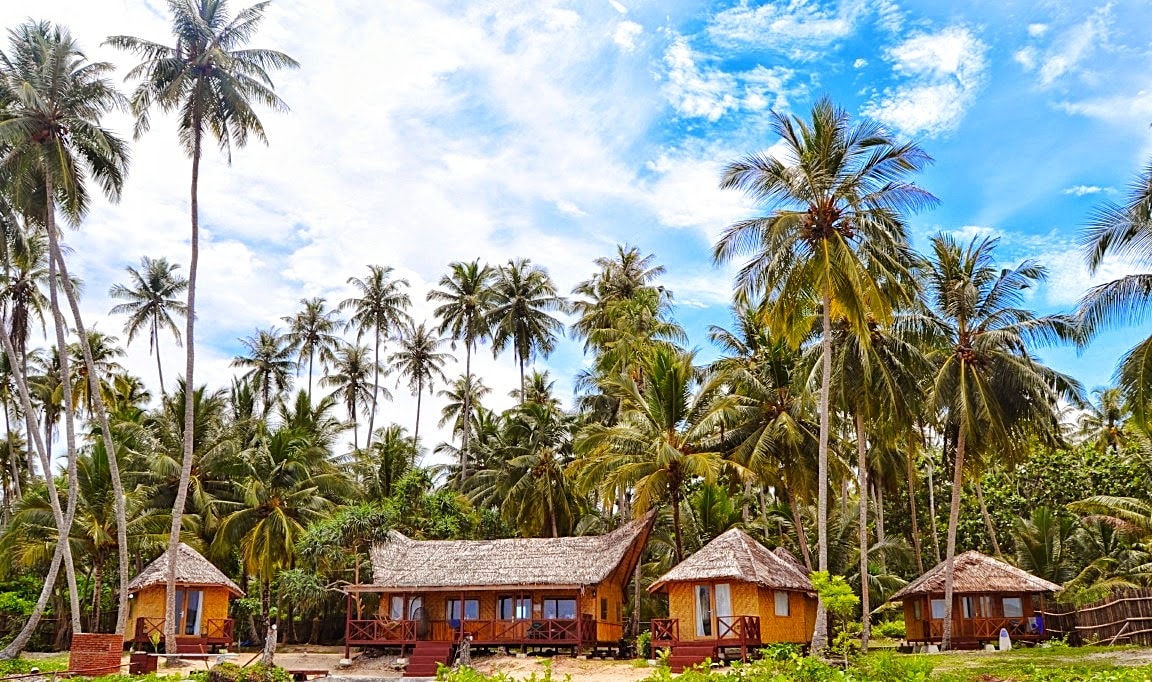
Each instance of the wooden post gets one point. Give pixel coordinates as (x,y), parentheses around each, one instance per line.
(348,627)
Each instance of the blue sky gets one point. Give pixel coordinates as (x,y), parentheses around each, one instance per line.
(427,132)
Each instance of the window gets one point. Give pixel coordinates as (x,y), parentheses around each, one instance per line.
(703,611)
(415,604)
(396,607)
(471,609)
(560,609)
(917,610)
(985,607)
(938,609)
(1013,607)
(782,605)
(514,608)
(969,605)
(603,608)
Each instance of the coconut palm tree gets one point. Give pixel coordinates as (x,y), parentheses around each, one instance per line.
(382,309)
(351,375)
(55,145)
(269,364)
(667,437)
(378,468)
(1124,231)
(619,279)
(465,392)
(151,301)
(834,232)
(211,80)
(467,299)
(419,360)
(311,333)
(1103,420)
(523,296)
(988,390)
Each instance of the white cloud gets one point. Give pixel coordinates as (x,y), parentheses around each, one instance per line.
(571,209)
(943,73)
(1068,48)
(618,7)
(625,35)
(703,92)
(860,63)
(1037,30)
(1127,110)
(1084,190)
(798,28)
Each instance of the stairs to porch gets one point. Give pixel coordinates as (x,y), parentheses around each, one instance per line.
(426,658)
(687,655)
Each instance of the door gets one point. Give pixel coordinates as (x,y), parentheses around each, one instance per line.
(724,611)
(189,612)
(704,611)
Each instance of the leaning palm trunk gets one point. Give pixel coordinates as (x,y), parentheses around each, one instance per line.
(63,520)
(69,411)
(950,556)
(94,389)
(911,465)
(189,402)
(862,484)
(820,632)
(988,520)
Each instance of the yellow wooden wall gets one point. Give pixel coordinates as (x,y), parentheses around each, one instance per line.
(748,600)
(150,601)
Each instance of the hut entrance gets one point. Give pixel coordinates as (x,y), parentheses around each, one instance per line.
(713,605)
(189,611)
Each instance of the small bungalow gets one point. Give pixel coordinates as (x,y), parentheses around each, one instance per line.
(203,594)
(987,595)
(734,594)
(523,592)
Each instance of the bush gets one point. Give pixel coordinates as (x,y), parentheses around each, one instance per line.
(893,629)
(644,645)
(230,672)
(889,667)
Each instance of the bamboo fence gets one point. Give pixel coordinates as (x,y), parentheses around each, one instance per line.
(1125,617)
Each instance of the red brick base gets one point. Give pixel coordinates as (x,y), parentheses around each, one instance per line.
(95,654)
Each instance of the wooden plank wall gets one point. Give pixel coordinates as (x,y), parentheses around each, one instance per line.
(1125,617)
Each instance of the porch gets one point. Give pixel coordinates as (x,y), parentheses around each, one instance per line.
(732,632)
(214,632)
(534,632)
(980,630)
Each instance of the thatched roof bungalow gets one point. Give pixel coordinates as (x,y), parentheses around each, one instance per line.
(203,594)
(524,591)
(988,595)
(734,592)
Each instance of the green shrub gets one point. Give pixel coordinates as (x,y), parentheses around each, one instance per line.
(893,629)
(230,672)
(780,651)
(23,666)
(888,667)
(644,645)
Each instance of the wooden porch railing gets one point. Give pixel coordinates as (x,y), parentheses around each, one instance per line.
(212,630)
(527,632)
(742,629)
(986,628)
(665,632)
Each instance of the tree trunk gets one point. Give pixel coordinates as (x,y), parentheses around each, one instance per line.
(950,557)
(465,437)
(69,409)
(988,521)
(881,536)
(911,466)
(636,599)
(97,399)
(310,378)
(16,492)
(676,525)
(375,389)
(932,509)
(189,402)
(820,632)
(416,435)
(16,646)
(97,587)
(862,484)
(801,536)
(159,365)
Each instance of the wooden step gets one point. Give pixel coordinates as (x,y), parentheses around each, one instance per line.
(427,657)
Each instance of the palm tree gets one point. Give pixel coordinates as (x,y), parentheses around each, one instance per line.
(151,296)
(668,436)
(55,145)
(393,454)
(310,332)
(523,296)
(350,377)
(382,309)
(467,301)
(465,392)
(1124,231)
(991,394)
(421,362)
(104,351)
(211,80)
(834,233)
(269,363)
(619,279)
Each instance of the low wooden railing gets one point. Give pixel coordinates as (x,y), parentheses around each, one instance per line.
(534,631)
(986,628)
(665,632)
(742,629)
(213,630)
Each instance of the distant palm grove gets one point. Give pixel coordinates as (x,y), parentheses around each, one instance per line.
(874,409)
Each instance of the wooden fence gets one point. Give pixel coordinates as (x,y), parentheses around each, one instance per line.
(1125,617)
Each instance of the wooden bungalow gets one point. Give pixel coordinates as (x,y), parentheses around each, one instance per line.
(733,594)
(520,592)
(203,594)
(987,595)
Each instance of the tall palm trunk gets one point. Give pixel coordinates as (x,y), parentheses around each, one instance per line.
(988,520)
(159,367)
(69,412)
(911,466)
(881,536)
(820,632)
(932,509)
(801,535)
(416,433)
(862,484)
(464,438)
(16,491)
(189,402)
(310,357)
(950,557)
(97,404)
(375,389)
(63,519)
(677,532)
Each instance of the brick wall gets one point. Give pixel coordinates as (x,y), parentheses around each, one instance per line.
(96,654)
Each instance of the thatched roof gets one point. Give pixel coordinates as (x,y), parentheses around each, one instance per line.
(191,569)
(734,555)
(403,563)
(977,573)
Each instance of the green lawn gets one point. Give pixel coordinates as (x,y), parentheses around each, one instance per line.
(1030,663)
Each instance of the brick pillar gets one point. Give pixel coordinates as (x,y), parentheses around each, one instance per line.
(93,654)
